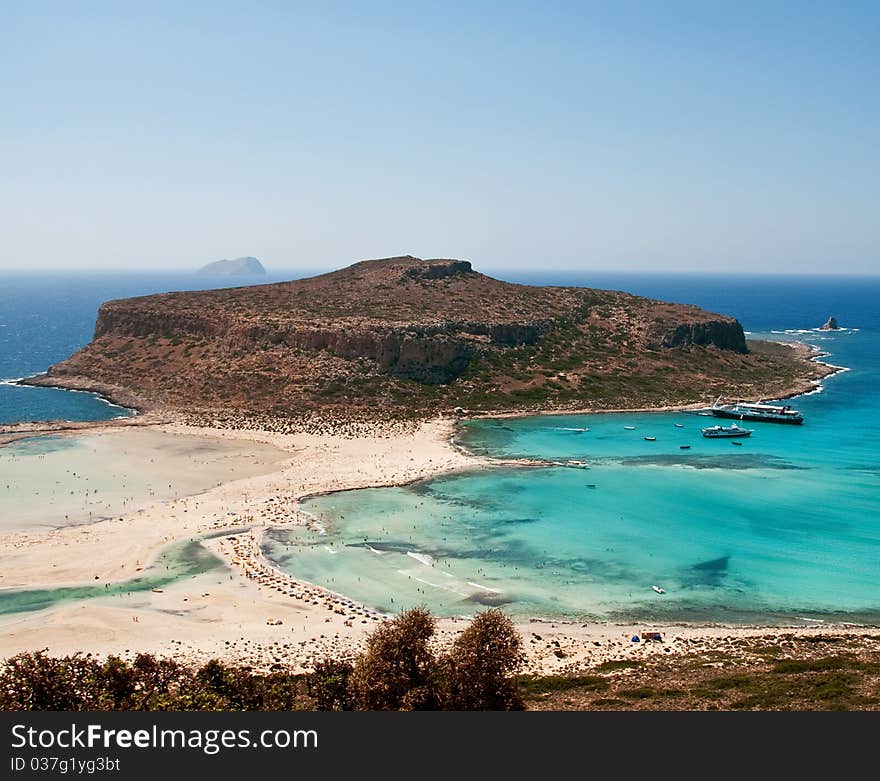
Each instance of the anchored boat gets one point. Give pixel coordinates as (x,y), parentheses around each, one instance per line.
(757,413)
(719,432)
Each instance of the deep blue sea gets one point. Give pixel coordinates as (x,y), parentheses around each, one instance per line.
(784,528)
(45,317)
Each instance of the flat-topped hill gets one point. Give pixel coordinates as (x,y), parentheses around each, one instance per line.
(409,336)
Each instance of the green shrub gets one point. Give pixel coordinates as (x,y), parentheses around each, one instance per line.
(329,685)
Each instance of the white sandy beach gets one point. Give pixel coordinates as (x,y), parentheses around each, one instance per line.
(245,611)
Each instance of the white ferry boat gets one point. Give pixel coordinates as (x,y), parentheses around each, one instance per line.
(759,412)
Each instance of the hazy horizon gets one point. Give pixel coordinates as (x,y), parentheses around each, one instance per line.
(582,137)
(274,272)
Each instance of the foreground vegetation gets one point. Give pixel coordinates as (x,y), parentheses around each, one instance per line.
(821,672)
(398,671)
(401,670)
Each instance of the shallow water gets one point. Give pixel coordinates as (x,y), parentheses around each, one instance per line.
(180,561)
(784,527)
(52,481)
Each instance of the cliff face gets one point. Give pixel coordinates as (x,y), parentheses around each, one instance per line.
(398,331)
(725,334)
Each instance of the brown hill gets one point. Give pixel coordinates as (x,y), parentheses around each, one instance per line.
(403,336)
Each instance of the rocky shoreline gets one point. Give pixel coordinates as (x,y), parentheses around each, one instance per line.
(355,422)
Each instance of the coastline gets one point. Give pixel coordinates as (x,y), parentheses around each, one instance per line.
(809,354)
(112,394)
(226,614)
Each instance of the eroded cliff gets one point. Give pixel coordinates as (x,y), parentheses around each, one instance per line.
(415,335)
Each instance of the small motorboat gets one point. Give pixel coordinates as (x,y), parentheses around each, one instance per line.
(650,439)
(591,485)
(684,447)
(717,432)
(630,428)
(736,443)
(679,425)
(658,589)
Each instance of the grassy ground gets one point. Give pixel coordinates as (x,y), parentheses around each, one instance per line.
(811,673)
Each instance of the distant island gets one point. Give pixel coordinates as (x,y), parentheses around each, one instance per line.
(409,337)
(237,267)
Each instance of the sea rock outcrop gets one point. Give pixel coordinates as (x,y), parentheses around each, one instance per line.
(831,324)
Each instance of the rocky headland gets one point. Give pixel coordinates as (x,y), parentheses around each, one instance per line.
(404,337)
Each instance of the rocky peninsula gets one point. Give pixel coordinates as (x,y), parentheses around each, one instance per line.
(408,338)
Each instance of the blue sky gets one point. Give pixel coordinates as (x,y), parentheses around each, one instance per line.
(653,135)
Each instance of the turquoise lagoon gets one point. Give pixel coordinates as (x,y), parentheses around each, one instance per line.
(785,528)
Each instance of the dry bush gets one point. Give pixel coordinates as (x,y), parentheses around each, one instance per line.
(481,665)
(398,670)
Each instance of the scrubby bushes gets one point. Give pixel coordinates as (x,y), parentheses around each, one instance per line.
(35,681)
(482,663)
(399,670)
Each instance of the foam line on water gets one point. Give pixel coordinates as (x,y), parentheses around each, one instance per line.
(17,383)
(484,588)
(438,586)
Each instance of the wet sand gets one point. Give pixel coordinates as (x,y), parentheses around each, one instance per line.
(53,481)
